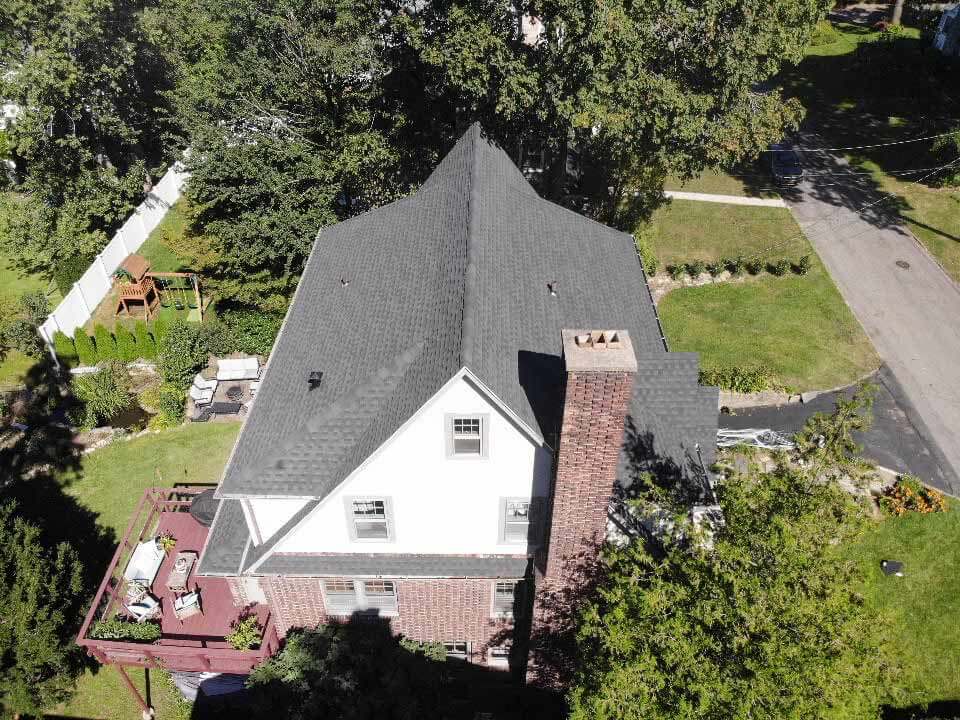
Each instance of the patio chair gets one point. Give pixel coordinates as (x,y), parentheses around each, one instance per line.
(145,563)
(147,609)
(201,397)
(254,386)
(187,605)
(201,383)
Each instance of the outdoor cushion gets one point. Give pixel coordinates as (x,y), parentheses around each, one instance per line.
(201,383)
(145,562)
(146,609)
(201,396)
(238,369)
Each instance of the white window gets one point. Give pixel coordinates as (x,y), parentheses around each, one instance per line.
(499,656)
(457,650)
(369,519)
(467,436)
(345,597)
(504,598)
(515,521)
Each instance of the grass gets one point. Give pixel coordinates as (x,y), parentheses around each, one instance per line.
(798,326)
(922,636)
(688,230)
(110,482)
(752,181)
(160,247)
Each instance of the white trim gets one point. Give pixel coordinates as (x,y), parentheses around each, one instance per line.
(463,372)
(508,614)
(351,519)
(251,519)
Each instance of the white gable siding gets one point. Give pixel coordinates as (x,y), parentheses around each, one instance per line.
(271,514)
(439,504)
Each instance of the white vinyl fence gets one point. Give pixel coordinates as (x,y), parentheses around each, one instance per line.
(92,287)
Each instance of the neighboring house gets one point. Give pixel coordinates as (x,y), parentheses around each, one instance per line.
(438,431)
(947,37)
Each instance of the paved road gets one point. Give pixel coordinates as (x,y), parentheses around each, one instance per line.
(891,441)
(908,306)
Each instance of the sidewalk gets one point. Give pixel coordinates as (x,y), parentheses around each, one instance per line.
(728,199)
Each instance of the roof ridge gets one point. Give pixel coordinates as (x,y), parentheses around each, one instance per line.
(467,330)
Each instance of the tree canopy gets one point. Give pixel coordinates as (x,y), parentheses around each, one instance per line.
(40,593)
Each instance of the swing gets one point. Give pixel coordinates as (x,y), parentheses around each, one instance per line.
(164,292)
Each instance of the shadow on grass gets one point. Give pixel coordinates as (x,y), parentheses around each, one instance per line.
(941,710)
(33,461)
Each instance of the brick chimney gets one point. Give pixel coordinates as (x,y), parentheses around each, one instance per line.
(600,365)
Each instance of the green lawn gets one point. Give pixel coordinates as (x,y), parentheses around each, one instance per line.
(687,230)
(798,326)
(752,181)
(922,635)
(160,248)
(110,482)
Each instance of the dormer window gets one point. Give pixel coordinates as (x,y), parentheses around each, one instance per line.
(467,436)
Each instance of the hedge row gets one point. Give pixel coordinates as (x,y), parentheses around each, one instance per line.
(121,344)
(736,266)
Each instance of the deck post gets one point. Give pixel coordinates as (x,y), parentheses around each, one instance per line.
(146,712)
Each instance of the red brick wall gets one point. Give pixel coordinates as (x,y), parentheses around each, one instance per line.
(429,609)
(591,436)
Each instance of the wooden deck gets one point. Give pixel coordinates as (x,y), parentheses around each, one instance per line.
(197,642)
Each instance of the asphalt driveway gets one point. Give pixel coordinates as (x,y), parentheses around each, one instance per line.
(892,440)
(907,304)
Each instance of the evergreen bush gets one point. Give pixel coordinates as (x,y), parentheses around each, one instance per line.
(734,265)
(696,268)
(676,271)
(106,343)
(779,267)
(739,379)
(252,331)
(86,350)
(715,268)
(754,266)
(803,265)
(161,326)
(127,348)
(146,347)
(65,349)
(645,250)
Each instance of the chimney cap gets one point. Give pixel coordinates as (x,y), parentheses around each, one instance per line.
(598,351)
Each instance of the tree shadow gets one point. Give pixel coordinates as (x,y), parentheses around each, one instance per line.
(35,458)
(941,709)
(360,669)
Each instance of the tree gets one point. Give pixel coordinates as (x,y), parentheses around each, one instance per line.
(91,121)
(127,349)
(643,89)
(357,670)
(762,623)
(86,350)
(41,592)
(897,12)
(284,103)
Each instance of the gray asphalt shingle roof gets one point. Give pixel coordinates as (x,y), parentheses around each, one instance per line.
(394,302)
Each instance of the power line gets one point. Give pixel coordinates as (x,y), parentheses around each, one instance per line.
(803,232)
(851,173)
(866,147)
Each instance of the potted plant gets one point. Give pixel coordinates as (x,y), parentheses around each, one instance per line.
(166,542)
(246,633)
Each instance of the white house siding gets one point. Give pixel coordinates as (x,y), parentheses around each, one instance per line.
(270,515)
(439,505)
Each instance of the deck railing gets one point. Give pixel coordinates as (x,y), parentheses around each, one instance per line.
(173,652)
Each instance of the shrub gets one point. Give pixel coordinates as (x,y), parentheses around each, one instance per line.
(161,326)
(715,268)
(824,34)
(65,349)
(676,271)
(779,267)
(170,406)
(146,347)
(86,350)
(695,269)
(68,270)
(908,494)
(35,307)
(118,629)
(126,344)
(739,379)
(106,343)
(430,650)
(181,353)
(22,335)
(754,266)
(102,394)
(803,265)
(734,265)
(254,331)
(645,251)
(246,634)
